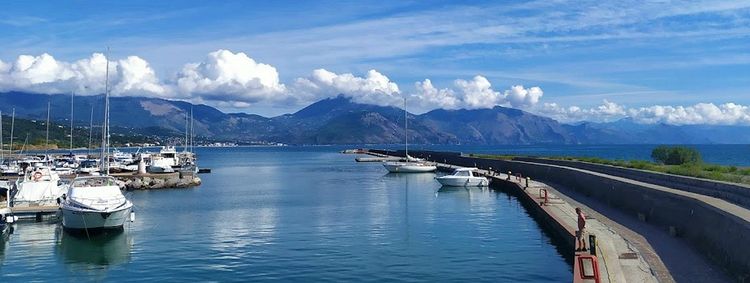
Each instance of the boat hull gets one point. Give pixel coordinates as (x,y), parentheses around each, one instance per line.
(463,182)
(409,168)
(93,220)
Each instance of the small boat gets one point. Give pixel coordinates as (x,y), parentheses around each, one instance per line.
(463,177)
(88,166)
(38,187)
(94,203)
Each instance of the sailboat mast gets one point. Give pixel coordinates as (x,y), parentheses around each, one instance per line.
(406,129)
(12,126)
(72,94)
(192,133)
(105,167)
(187,128)
(46,139)
(2,147)
(91,129)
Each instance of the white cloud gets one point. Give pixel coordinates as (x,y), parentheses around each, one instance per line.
(607,112)
(226,76)
(518,96)
(428,96)
(698,114)
(375,88)
(473,94)
(136,76)
(45,74)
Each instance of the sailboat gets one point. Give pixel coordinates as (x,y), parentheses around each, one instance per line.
(411,164)
(95,203)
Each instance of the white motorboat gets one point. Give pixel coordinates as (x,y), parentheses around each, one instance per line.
(88,166)
(95,203)
(165,161)
(38,187)
(463,177)
(410,164)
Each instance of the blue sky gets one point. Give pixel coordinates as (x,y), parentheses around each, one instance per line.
(593,60)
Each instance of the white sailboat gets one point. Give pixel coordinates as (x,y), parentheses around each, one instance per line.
(96,202)
(411,164)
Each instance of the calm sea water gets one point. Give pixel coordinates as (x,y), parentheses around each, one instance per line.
(298,214)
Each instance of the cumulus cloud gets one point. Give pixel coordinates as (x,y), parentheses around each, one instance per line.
(227,76)
(698,114)
(430,96)
(375,88)
(473,94)
(45,74)
(606,112)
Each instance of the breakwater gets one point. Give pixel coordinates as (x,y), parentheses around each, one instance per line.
(130,181)
(715,227)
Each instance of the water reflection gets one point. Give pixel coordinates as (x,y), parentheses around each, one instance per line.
(469,193)
(97,250)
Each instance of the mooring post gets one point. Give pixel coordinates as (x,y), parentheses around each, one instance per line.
(509,174)
(527,181)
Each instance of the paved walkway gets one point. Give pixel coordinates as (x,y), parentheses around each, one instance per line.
(619,259)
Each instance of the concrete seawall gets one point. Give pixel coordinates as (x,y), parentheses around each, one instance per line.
(718,229)
(735,193)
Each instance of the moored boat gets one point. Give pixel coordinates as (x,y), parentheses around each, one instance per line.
(94,203)
(463,177)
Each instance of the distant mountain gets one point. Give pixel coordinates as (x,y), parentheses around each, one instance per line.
(339,120)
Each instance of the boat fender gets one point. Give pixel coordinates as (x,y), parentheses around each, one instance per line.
(132,216)
(10,219)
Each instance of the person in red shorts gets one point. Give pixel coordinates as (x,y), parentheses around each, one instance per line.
(581,230)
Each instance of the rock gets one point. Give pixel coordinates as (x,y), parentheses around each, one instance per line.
(136,184)
(172,183)
(157,183)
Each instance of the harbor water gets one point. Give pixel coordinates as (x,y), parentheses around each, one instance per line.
(298,214)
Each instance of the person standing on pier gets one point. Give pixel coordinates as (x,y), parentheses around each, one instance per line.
(581,230)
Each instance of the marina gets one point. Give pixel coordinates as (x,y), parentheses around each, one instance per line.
(377,226)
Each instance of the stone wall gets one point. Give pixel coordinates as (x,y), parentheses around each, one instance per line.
(736,193)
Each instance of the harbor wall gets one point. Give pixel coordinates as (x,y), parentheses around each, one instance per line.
(717,234)
(735,193)
(157,181)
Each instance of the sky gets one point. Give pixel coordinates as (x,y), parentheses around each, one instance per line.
(674,62)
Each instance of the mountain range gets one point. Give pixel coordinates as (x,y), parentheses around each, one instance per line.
(339,120)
